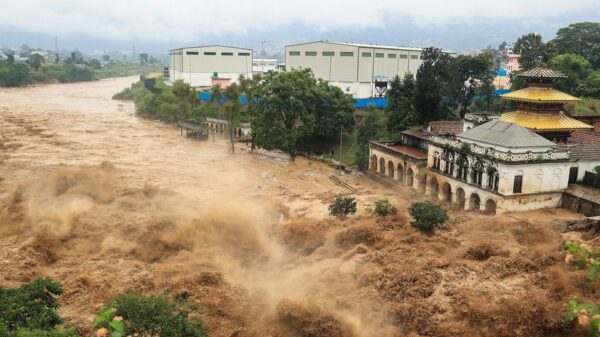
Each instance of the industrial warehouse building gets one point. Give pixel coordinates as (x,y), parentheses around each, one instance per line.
(355,68)
(205,66)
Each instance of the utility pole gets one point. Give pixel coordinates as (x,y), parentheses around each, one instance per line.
(341,134)
(262,55)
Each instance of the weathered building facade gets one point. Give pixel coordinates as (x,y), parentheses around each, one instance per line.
(495,167)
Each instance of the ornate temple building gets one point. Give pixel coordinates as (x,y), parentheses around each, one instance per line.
(525,160)
(540,107)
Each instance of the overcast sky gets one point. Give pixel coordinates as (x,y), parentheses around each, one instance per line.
(159,25)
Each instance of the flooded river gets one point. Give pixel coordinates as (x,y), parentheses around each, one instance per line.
(105,203)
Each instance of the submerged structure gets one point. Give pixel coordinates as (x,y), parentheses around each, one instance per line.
(540,107)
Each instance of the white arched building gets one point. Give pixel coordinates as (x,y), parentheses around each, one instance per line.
(495,167)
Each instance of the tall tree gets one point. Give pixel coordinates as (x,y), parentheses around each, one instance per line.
(231,111)
(532,49)
(437,87)
(369,129)
(250,87)
(334,110)
(284,110)
(575,67)
(143,58)
(581,38)
(401,113)
(472,70)
(35,61)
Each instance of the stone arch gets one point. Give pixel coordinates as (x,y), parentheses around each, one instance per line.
(460,198)
(434,187)
(381,166)
(490,207)
(390,169)
(409,177)
(474,202)
(447,192)
(374,162)
(400,170)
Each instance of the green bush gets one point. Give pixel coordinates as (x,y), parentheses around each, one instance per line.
(30,310)
(150,316)
(588,316)
(427,215)
(383,207)
(342,206)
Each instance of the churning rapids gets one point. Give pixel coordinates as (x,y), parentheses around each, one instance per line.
(105,202)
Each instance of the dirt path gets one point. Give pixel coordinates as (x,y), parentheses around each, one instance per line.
(105,203)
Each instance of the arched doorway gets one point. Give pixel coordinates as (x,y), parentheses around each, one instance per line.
(390,169)
(374,162)
(460,198)
(490,207)
(447,192)
(409,177)
(474,202)
(433,187)
(382,166)
(400,171)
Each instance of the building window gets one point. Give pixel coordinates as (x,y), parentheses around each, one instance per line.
(477,173)
(518,185)
(347,54)
(493,179)
(403,56)
(310,53)
(294,53)
(463,168)
(414,57)
(210,53)
(436,161)
(328,53)
(191,53)
(392,56)
(365,54)
(226,54)
(379,55)
(243,54)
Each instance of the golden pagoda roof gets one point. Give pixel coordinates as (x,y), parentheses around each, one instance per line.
(544,121)
(541,72)
(539,94)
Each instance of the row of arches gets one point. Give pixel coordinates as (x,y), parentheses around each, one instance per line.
(431,186)
(397,172)
(460,197)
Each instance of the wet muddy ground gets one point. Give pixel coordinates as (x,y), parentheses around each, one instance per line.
(105,202)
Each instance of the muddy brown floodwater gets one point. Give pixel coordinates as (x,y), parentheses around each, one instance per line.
(105,203)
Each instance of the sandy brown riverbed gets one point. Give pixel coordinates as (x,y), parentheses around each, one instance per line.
(105,202)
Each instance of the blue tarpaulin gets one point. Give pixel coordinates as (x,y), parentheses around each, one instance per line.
(360,103)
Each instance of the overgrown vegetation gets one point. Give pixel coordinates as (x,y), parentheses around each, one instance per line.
(133,314)
(175,103)
(427,216)
(383,207)
(343,206)
(14,74)
(31,310)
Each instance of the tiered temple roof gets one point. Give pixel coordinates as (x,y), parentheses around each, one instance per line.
(540,107)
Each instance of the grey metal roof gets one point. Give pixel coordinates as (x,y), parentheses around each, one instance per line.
(505,134)
(360,45)
(541,72)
